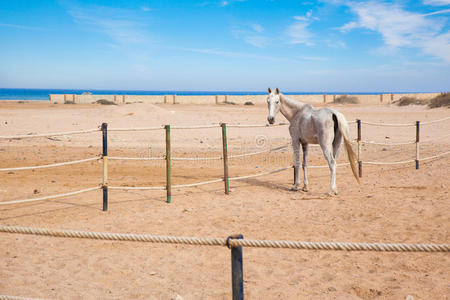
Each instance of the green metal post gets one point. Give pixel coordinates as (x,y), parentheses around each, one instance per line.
(225,158)
(168,166)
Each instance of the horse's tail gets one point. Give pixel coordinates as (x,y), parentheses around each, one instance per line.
(343,128)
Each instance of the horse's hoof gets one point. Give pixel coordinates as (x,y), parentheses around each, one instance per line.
(332,193)
(294,188)
(305,189)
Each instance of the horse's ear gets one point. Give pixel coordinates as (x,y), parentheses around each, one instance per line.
(269,90)
(277,91)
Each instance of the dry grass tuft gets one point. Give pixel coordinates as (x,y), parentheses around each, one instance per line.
(105,102)
(443,100)
(406,100)
(346,99)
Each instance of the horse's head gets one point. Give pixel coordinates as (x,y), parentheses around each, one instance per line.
(273,103)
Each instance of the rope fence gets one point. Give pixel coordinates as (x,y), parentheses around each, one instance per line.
(23,136)
(224,157)
(280,244)
(51,196)
(73,162)
(234,242)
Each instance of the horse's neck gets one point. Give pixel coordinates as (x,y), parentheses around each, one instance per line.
(289,107)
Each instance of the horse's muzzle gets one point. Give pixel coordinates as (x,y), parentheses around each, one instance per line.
(271,120)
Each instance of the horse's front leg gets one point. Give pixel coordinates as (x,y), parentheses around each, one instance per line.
(304,167)
(296,149)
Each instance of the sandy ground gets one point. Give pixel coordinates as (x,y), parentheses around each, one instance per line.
(392,204)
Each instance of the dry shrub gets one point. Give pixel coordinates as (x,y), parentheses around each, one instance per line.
(346,99)
(69,102)
(443,100)
(105,102)
(406,100)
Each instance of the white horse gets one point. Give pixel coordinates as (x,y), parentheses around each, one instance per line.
(326,127)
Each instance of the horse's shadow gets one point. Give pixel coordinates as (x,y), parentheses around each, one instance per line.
(265,184)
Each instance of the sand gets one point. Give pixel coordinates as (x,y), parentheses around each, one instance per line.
(392,204)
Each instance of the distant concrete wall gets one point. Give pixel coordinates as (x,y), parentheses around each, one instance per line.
(218,99)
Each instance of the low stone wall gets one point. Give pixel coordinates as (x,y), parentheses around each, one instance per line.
(236,99)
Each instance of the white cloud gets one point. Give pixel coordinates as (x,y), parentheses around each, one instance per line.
(299,32)
(122,26)
(256,27)
(401,28)
(443,11)
(229,2)
(20,26)
(436,2)
(251,34)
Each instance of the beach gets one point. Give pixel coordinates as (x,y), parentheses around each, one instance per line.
(393,204)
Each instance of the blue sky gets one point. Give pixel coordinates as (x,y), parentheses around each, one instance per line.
(234,45)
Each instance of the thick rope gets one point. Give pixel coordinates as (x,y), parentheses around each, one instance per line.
(196,127)
(255,125)
(6,297)
(405,161)
(144,188)
(134,158)
(337,246)
(386,124)
(435,156)
(196,184)
(52,165)
(23,136)
(136,129)
(388,163)
(197,158)
(435,121)
(388,144)
(51,196)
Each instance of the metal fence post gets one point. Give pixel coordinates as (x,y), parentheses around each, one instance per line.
(358,123)
(417,143)
(105,165)
(225,158)
(237,273)
(168,166)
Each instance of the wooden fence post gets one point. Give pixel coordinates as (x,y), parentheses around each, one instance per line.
(217,99)
(168,166)
(225,158)
(324,98)
(358,123)
(417,143)
(381,98)
(105,165)
(237,273)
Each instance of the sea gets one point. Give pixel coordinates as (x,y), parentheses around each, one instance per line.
(43,94)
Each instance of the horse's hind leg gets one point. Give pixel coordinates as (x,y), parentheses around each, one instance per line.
(327,149)
(304,167)
(296,148)
(337,144)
